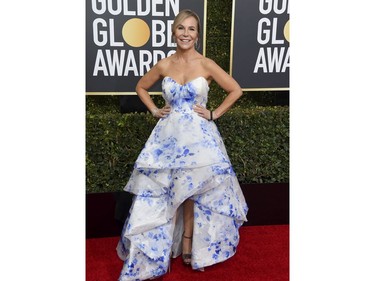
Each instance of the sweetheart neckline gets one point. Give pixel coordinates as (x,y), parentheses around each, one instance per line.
(190,81)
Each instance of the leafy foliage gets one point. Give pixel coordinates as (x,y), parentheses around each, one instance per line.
(257,141)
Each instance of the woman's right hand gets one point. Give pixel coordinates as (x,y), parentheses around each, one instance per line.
(161,112)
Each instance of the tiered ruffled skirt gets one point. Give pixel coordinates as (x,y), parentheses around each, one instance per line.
(184,158)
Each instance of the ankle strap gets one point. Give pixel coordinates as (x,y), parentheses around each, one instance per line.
(183,235)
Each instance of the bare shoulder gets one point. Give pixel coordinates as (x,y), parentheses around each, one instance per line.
(213,70)
(163,65)
(216,73)
(209,64)
(157,72)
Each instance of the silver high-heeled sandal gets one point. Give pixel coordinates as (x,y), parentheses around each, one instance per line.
(186,258)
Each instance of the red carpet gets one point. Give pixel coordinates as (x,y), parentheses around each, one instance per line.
(262,255)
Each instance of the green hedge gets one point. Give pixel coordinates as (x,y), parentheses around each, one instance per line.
(257,141)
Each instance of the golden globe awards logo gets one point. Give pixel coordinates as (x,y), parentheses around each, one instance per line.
(136,32)
(275,57)
(131,36)
(260,44)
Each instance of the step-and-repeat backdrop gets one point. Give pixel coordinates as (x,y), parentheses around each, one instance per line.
(125,38)
(260,44)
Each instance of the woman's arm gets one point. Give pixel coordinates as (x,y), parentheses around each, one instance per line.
(146,82)
(228,84)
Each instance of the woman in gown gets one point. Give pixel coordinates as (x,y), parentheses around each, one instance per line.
(187,199)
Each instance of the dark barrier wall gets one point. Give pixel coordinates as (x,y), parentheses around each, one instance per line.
(106,212)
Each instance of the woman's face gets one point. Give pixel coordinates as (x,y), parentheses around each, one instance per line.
(186,33)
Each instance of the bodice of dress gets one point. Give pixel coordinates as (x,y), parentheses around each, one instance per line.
(183,138)
(183,97)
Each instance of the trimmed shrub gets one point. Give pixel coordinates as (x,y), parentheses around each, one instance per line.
(257,142)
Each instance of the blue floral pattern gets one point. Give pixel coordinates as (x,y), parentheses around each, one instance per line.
(183,158)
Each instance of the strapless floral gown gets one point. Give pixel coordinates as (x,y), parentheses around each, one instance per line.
(183,158)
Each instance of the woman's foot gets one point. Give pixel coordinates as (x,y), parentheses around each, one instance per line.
(200,269)
(186,249)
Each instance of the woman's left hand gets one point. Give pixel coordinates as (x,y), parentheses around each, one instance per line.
(202,111)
